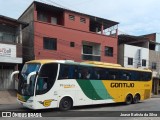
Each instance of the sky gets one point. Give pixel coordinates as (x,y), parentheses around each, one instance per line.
(135,17)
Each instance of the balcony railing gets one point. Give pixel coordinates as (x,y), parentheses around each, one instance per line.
(91,57)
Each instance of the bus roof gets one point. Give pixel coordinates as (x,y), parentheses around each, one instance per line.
(42,61)
(87,63)
(102,63)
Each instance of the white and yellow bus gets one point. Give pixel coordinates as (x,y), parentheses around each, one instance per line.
(63,84)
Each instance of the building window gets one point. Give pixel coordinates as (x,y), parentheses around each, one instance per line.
(42,17)
(72,44)
(109,51)
(53,20)
(50,43)
(82,20)
(7,37)
(154,65)
(87,49)
(130,61)
(143,62)
(71,17)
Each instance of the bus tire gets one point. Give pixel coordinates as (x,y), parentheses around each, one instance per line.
(136,99)
(66,103)
(128,99)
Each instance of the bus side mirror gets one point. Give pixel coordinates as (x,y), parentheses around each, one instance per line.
(29,76)
(13,73)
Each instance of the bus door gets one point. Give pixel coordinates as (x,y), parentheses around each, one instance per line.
(44,96)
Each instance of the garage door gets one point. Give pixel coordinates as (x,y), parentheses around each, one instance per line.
(5,81)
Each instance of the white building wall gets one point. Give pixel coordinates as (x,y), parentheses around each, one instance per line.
(131,51)
(158,41)
(158,37)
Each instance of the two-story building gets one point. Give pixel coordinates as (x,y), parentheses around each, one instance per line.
(141,52)
(10,49)
(58,33)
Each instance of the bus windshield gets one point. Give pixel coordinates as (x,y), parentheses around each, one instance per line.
(23,88)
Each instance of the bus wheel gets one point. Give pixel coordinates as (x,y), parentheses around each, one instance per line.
(129,99)
(136,99)
(66,103)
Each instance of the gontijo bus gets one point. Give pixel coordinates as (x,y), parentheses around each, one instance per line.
(63,84)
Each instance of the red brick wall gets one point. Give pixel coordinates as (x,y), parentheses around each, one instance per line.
(64,37)
(76,24)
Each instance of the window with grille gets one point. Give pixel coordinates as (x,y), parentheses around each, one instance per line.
(82,20)
(72,17)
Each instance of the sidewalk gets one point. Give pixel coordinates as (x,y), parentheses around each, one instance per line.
(8,97)
(155,96)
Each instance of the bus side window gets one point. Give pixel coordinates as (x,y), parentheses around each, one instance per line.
(84,73)
(135,76)
(70,72)
(143,76)
(149,76)
(126,75)
(79,72)
(112,75)
(94,74)
(64,69)
(102,74)
(75,73)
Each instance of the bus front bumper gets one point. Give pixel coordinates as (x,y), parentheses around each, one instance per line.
(27,104)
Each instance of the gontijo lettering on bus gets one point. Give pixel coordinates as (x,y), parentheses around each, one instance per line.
(120,85)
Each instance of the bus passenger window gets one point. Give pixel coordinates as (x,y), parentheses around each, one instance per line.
(102,74)
(64,69)
(65,74)
(84,73)
(97,75)
(124,76)
(75,73)
(113,77)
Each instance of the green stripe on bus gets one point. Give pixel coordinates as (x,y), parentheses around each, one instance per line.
(88,89)
(94,89)
(100,89)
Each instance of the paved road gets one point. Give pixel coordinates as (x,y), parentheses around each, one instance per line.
(151,105)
